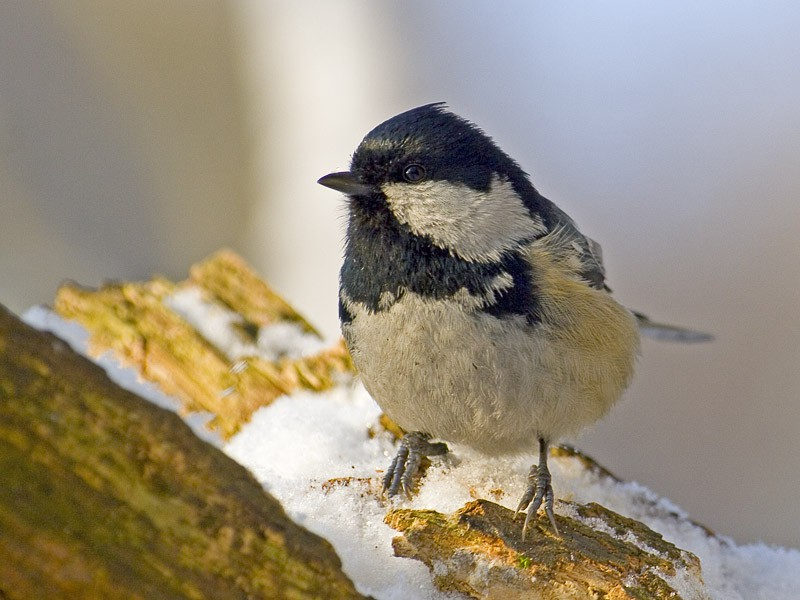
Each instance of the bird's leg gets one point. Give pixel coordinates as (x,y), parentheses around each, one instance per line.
(539,490)
(400,474)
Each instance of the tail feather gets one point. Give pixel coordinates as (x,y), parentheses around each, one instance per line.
(669,333)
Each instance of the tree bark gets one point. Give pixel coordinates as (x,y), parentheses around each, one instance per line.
(105,495)
(479,552)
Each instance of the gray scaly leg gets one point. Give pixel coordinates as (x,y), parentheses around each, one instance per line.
(539,490)
(400,474)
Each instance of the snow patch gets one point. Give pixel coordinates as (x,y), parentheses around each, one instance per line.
(223,328)
(74,334)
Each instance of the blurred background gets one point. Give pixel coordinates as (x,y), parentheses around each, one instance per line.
(138,137)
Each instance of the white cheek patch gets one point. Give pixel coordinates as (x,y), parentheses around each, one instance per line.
(476,226)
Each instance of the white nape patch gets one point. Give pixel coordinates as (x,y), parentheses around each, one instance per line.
(219,326)
(476,226)
(77,337)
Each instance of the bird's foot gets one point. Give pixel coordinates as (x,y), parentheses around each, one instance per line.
(539,491)
(400,474)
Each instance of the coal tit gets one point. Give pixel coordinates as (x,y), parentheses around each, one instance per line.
(475,310)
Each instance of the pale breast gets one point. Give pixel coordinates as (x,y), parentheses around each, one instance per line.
(496,384)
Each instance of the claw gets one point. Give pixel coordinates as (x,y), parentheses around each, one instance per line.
(538,492)
(394,474)
(405,465)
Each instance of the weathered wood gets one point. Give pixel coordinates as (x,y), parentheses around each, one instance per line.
(135,321)
(105,495)
(479,552)
(227,277)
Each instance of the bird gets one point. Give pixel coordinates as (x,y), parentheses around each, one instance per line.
(474,309)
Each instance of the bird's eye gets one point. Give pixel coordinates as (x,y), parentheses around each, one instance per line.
(414,173)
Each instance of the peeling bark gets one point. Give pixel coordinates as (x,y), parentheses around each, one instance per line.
(135,322)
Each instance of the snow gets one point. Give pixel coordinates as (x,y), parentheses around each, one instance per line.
(300,443)
(217,324)
(127,378)
(303,440)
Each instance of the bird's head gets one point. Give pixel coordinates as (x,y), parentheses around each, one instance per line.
(445,180)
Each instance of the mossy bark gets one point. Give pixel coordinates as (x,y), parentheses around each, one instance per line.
(479,552)
(105,495)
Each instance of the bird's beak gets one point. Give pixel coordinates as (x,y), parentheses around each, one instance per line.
(346,183)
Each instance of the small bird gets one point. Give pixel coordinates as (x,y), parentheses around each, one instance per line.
(475,310)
